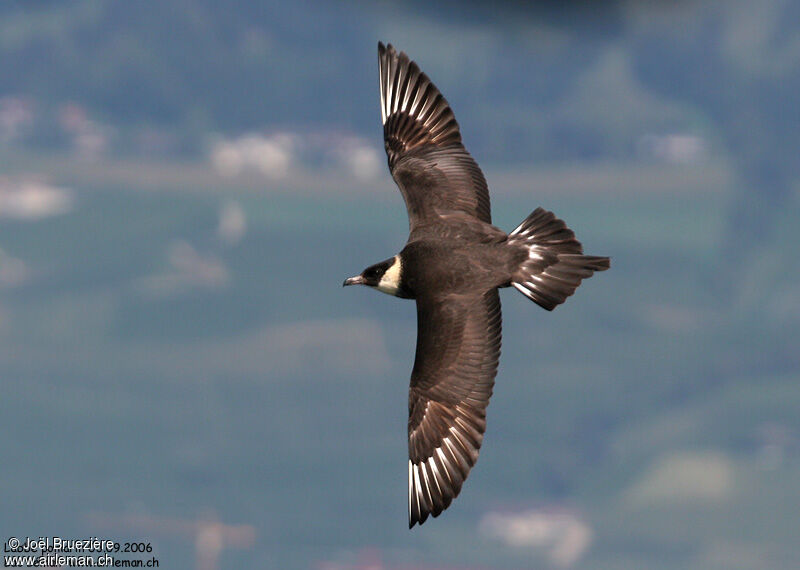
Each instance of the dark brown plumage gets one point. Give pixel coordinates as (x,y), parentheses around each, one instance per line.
(453,264)
(423,145)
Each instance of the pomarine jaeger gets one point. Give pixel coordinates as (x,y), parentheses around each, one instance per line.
(452,265)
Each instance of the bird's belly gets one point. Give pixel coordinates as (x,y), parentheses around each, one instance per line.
(457,269)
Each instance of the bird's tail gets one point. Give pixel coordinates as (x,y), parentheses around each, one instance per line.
(556,264)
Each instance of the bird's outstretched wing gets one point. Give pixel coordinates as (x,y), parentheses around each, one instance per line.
(434,171)
(458,346)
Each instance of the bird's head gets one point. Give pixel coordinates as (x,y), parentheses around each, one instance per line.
(385,276)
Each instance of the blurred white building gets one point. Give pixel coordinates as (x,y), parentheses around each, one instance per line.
(278,155)
(674,148)
(89,139)
(32,199)
(232,223)
(187,269)
(358,158)
(272,156)
(561,534)
(684,476)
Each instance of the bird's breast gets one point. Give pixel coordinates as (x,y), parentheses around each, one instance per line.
(442,267)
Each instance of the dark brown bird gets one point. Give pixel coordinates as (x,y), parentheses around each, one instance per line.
(453,264)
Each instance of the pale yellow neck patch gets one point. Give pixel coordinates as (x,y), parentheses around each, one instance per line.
(390,282)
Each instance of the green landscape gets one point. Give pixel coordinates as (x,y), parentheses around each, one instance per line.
(176,348)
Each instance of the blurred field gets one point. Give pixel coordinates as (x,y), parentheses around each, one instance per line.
(184,188)
(250,381)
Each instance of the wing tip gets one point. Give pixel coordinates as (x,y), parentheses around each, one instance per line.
(388,49)
(413,110)
(434,483)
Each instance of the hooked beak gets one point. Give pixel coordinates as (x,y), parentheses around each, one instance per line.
(357,280)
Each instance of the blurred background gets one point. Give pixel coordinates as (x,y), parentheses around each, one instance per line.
(184,186)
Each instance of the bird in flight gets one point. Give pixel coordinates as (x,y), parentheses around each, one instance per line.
(452,265)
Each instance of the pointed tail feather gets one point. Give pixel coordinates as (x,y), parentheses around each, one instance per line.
(556,264)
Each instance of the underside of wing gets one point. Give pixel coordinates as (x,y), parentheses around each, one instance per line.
(423,144)
(458,348)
